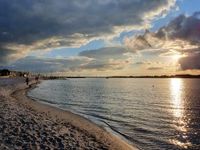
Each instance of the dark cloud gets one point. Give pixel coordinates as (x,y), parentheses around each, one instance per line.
(25,21)
(183,27)
(181,33)
(190,62)
(42,24)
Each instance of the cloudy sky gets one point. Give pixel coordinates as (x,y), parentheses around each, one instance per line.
(100,37)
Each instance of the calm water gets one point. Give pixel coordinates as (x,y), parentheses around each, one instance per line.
(148,113)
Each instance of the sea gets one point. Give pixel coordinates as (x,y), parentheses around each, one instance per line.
(148,113)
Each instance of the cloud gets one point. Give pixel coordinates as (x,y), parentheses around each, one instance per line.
(48,65)
(103,59)
(110,64)
(180,34)
(4,55)
(190,62)
(113,58)
(139,63)
(184,28)
(154,68)
(105,53)
(31,25)
(152,65)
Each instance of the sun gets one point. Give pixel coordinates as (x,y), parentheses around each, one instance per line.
(176,56)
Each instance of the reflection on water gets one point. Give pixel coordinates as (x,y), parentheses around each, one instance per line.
(162,116)
(176,97)
(177,89)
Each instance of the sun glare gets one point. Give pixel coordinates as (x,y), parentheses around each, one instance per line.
(176,92)
(177,57)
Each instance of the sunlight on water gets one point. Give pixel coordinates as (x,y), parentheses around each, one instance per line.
(176,89)
(176,94)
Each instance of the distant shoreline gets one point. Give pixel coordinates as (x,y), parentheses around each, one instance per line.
(11,73)
(110,77)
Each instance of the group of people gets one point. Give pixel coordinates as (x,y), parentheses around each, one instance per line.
(27,79)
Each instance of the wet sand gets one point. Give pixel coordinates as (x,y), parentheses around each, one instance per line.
(27,124)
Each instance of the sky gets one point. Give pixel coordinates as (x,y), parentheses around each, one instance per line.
(100,37)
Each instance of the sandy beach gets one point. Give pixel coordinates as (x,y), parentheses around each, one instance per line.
(27,124)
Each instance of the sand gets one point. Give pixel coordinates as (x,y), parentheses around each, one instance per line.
(28,124)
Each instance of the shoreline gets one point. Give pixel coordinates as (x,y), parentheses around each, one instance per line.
(84,133)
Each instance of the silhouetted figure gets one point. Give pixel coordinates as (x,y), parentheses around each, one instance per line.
(37,78)
(27,80)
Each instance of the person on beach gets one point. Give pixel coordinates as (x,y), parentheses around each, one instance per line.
(27,80)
